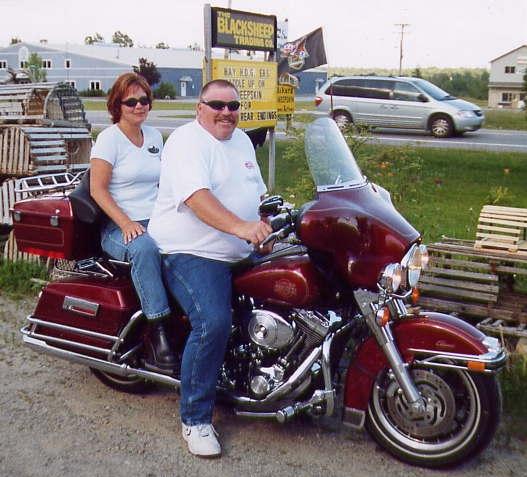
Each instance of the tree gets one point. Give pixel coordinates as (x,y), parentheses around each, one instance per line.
(122,39)
(90,40)
(15,40)
(162,46)
(34,69)
(148,70)
(165,90)
(417,73)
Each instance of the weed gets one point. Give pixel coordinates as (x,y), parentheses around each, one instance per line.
(15,278)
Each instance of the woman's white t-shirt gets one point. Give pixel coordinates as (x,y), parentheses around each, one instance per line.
(135,173)
(193,159)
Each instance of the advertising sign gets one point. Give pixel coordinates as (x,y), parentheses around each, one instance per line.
(243,30)
(256,81)
(285,99)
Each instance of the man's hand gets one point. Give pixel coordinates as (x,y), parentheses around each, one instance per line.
(254,232)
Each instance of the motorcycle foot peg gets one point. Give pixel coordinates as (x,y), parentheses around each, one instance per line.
(285,414)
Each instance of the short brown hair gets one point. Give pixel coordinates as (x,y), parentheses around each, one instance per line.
(118,90)
(218,82)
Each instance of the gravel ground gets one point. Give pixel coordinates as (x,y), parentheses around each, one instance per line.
(58,420)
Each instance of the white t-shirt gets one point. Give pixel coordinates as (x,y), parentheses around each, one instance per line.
(135,173)
(193,159)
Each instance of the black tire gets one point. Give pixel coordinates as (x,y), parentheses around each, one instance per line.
(343,119)
(462,416)
(442,126)
(126,384)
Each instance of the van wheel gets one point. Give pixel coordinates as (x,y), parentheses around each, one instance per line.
(441,126)
(342,119)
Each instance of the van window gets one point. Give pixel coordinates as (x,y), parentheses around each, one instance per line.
(362,88)
(405,92)
(378,89)
(345,87)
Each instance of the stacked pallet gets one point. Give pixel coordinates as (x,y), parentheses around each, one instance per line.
(502,228)
(43,129)
(481,283)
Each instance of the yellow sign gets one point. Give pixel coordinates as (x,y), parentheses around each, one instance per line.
(256,82)
(285,99)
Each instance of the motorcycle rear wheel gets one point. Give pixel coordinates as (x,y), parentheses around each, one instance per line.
(126,384)
(462,415)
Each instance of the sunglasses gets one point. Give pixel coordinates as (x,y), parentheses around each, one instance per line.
(220,105)
(132,102)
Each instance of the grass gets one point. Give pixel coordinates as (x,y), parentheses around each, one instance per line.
(158,105)
(505,119)
(15,278)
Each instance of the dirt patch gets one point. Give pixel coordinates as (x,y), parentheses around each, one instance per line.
(58,420)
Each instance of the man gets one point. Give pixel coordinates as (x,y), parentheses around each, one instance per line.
(205,217)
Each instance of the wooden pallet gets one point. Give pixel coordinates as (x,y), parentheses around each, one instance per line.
(474,283)
(502,228)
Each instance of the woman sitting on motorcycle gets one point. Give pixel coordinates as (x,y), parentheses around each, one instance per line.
(125,164)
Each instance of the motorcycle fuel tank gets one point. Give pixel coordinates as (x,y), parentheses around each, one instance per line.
(287,281)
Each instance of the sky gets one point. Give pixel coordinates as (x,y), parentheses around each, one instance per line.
(361,34)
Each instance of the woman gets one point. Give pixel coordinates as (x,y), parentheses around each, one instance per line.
(125,165)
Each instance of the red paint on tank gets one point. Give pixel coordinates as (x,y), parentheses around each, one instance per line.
(290,281)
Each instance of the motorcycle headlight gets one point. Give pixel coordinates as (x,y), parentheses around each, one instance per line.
(392,277)
(415,261)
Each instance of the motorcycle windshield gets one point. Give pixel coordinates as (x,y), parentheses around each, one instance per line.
(329,158)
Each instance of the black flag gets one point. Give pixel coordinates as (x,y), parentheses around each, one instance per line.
(302,54)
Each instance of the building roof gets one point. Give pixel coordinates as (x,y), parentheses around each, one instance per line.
(508,53)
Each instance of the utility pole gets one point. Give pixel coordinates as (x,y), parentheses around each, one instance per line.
(402,25)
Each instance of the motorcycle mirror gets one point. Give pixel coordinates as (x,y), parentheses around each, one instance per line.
(270,205)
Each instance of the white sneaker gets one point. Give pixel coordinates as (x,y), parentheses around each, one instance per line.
(202,440)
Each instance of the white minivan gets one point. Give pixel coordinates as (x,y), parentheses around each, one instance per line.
(397,102)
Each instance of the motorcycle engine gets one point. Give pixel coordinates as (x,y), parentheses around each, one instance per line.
(278,344)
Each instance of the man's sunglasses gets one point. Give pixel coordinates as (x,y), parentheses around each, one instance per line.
(220,105)
(132,102)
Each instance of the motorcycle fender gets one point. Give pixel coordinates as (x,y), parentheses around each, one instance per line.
(427,330)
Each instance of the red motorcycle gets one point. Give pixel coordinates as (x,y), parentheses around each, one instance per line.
(322,325)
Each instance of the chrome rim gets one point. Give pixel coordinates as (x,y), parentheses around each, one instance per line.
(452,416)
(441,127)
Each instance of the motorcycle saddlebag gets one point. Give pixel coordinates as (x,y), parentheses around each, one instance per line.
(46,226)
(84,314)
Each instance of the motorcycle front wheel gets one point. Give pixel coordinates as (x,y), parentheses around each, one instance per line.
(462,414)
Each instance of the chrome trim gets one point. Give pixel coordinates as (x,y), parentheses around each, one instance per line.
(80,307)
(326,373)
(71,329)
(124,332)
(493,360)
(62,341)
(119,369)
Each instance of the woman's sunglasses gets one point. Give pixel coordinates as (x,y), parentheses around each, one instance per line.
(132,102)
(220,105)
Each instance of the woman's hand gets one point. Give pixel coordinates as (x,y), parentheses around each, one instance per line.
(131,230)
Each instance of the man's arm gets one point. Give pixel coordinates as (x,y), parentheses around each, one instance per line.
(211,211)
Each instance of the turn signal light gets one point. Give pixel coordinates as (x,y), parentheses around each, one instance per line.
(476,366)
(416,294)
(383,316)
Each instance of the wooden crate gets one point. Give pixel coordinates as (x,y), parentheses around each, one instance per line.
(27,150)
(41,103)
(476,283)
(502,228)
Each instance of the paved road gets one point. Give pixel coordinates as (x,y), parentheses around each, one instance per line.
(484,139)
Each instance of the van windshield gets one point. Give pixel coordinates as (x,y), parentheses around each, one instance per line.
(432,90)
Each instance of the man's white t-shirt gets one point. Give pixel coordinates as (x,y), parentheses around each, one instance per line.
(135,173)
(193,159)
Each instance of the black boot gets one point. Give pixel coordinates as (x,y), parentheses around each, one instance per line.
(159,355)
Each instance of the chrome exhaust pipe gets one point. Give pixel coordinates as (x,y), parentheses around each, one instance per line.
(100,364)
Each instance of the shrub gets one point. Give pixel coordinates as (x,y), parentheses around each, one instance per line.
(165,90)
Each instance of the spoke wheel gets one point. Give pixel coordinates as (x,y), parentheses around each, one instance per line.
(462,413)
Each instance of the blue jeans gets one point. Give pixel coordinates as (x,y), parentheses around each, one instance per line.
(143,254)
(203,289)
